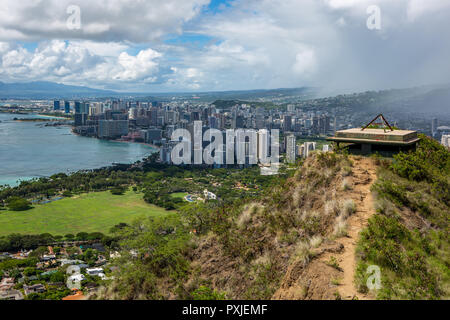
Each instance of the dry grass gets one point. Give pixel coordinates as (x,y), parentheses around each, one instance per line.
(348,208)
(247,214)
(332,208)
(383,206)
(346,171)
(346,185)
(315,241)
(262,260)
(309,215)
(340,227)
(302,252)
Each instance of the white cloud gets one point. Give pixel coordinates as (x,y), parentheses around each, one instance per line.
(138,67)
(104,49)
(305,62)
(253,44)
(75,63)
(269,43)
(418,8)
(107,20)
(339,4)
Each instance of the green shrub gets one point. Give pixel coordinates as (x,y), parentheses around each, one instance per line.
(18,204)
(402,256)
(118,191)
(206,293)
(430,162)
(67,194)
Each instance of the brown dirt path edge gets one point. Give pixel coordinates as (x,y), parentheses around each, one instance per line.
(364,174)
(318,280)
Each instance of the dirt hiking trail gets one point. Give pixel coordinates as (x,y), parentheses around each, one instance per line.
(364,175)
(320,279)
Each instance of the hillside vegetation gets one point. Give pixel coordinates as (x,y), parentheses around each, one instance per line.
(238,251)
(298,239)
(408,238)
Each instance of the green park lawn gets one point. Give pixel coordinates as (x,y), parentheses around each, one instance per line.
(180,195)
(92,212)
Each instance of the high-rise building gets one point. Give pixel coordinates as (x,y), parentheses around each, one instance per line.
(291,149)
(112,128)
(324,125)
(263,145)
(287,123)
(154,116)
(434,125)
(115,106)
(238,122)
(80,119)
(56,105)
(171,117)
(92,110)
(335,125)
(260,122)
(445,140)
(85,107)
(67,106)
(165,152)
(315,125)
(195,116)
(153,136)
(213,123)
(77,107)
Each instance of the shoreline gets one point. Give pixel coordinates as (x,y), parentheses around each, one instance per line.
(53,117)
(118,140)
(143,143)
(40,120)
(14,181)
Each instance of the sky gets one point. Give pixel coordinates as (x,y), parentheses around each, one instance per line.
(216,45)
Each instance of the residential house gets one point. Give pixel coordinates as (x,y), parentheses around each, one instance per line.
(6,284)
(36,288)
(11,295)
(69,262)
(77,278)
(94,271)
(48,257)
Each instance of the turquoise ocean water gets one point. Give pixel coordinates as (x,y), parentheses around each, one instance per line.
(29,150)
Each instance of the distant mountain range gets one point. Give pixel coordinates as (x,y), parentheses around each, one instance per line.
(49,90)
(424,99)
